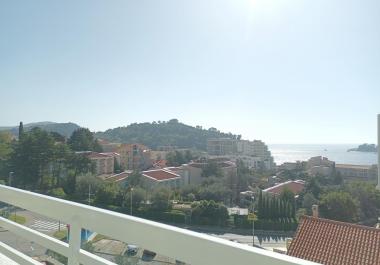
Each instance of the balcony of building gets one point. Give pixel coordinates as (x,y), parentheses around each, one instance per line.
(182,245)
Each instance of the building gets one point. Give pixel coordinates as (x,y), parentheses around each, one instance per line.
(296,186)
(160,178)
(255,154)
(120,178)
(132,156)
(335,243)
(320,165)
(205,249)
(357,172)
(221,146)
(104,162)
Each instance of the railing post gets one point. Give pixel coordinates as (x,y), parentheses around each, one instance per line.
(74,242)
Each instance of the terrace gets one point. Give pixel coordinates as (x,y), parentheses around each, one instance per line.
(183,245)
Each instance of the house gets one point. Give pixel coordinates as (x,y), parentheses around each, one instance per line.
(132,156)
(296,186)
(104,162)
(335,243)
(120,178)
(320,165)
(160,178)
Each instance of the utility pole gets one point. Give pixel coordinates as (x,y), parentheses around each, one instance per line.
(131,199)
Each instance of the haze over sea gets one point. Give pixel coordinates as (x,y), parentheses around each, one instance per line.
(335,152)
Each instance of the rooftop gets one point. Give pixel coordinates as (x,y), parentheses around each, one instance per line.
(335,243)
(349,166)
(296,186)
(160,174)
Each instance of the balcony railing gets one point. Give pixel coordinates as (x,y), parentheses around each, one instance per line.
(187,246)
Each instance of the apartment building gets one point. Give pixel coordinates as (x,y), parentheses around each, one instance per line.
(104,162)
(255,154)
(357,172)
(221,146)
(132,156)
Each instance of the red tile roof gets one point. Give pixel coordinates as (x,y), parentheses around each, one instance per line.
(119,177)
(335,243)
(295,186)
(160,174)
(91,154)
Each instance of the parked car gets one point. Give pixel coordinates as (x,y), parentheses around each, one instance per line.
(132,250)
(148,255)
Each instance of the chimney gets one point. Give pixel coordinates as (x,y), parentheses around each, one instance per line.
(315,210)
(378,151)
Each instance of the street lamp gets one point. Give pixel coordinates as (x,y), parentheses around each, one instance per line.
(10,178)
(131,199)
(253,221)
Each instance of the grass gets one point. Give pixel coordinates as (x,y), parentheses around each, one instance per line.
(99,237)
(17,218)
(61,235)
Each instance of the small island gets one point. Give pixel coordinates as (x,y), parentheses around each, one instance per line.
(369,148)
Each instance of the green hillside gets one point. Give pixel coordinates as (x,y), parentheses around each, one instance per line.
(65,129)
(171,133)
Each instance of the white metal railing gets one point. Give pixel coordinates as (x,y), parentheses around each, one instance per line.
(187,246)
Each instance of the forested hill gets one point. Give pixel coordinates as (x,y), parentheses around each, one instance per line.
(170,133)
(65,129)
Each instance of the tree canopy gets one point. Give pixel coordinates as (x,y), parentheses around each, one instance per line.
(83,140)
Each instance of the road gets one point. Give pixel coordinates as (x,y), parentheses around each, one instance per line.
(268,242)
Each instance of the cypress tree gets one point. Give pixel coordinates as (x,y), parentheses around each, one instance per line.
(20,130)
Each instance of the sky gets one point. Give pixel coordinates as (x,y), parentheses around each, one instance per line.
(283,71)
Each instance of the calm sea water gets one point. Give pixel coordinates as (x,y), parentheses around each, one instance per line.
(335,152)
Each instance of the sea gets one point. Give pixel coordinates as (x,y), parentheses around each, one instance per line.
(334,152)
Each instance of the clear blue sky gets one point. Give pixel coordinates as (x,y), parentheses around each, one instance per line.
(284,71)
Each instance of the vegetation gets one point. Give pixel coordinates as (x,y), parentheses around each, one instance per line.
(161,133)
(209,213)
(177,158)
(17,218)
(60,235)
(339,205)
(83,140)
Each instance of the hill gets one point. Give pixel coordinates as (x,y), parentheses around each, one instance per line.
(171,133)
(370,148)
(65,129)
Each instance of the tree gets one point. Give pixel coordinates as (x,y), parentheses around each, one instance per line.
(368,198)
(77,164)
(138,197)
(83,140)
(308,201)
(216,192)
(32,155)
(107,194)
(20,130)
(209,212)
(135,179)
(339,205)
(5,145)
(160,199)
